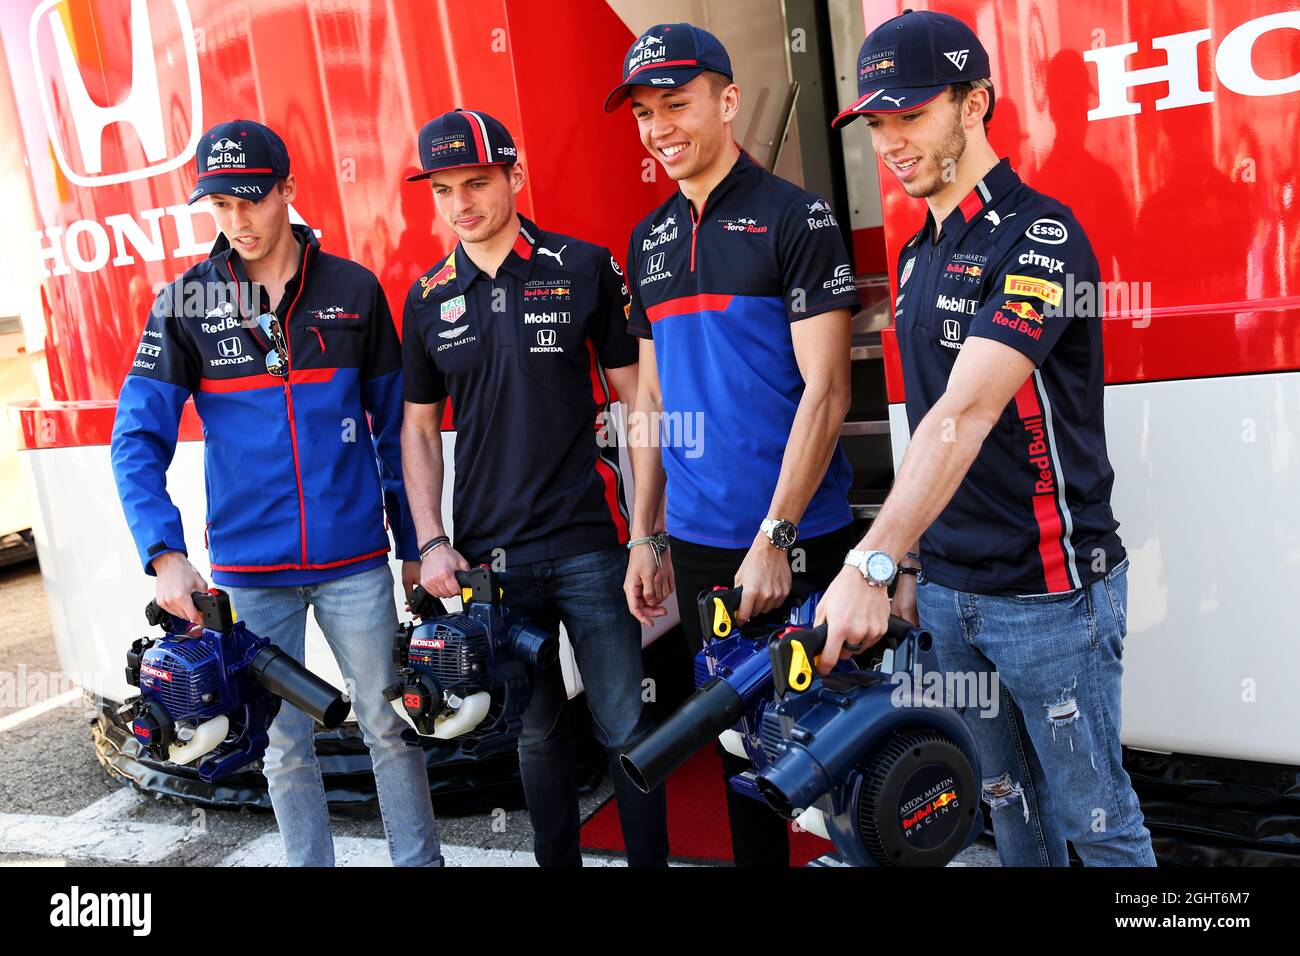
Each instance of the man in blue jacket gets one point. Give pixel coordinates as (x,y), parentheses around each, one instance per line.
(286,350)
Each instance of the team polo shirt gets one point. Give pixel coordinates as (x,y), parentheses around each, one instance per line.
(1033,514)
(518,356)
(718,296)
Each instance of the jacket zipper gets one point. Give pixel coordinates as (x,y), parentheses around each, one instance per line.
(288,401)
(316,329)
(695,226)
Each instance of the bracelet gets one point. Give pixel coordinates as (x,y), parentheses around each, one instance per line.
(433,545)
(658,544)
(908,569)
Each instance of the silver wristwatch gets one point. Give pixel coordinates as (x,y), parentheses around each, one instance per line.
(878,568)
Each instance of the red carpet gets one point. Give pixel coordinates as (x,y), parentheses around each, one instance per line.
(697,818)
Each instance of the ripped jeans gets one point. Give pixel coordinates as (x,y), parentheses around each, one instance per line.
(1049,743)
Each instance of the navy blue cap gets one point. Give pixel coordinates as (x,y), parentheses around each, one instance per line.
(463,138)
(909,60)
(668,55)
(240,158)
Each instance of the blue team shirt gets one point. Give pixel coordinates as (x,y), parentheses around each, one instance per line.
(718,296)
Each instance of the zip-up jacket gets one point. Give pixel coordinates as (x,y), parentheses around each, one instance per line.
(300,471)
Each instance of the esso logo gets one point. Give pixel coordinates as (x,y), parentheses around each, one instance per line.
(1049,231)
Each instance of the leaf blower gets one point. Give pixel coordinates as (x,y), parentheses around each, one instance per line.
(209,692)
(465,675)
(733,679)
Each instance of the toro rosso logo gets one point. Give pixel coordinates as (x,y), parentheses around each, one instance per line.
(154,122)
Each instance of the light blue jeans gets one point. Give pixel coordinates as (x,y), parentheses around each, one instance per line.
(1049,746)
(358,615)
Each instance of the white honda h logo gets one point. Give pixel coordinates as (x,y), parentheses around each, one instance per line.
(141,109)
(546,336)
(229,348)
(951,330)
(656,262)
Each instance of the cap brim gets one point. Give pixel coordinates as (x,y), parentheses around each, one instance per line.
(888,100)
(255,188)
(442,169)
(660,78)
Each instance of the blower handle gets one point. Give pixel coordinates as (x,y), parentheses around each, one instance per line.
(424,605)
(794,652)
(717,608)
(213,605)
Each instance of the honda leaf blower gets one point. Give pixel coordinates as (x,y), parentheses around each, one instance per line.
(209,692)
(465,675)
(887,777)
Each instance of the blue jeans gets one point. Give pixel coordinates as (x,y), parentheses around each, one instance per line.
(585,594)
(358,615)
(1049,743)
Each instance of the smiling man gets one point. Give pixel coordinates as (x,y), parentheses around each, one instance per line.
(293,363)
(510,326)
(742,294)
(1005,482)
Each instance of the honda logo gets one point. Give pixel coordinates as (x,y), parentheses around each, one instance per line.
(951,330)
(1181,71)
(231,347)
(656,262)
(546,336)
(83,121)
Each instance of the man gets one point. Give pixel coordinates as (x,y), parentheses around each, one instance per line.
(284,377)
(742,295)
(507,326)
(1006,481)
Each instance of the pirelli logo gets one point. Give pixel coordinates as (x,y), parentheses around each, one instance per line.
(1049,292)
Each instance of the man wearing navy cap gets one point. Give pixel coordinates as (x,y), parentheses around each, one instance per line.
(294,365)
(742,294)
(519,326)
(1006,482)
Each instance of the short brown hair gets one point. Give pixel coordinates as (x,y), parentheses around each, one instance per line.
(960,91)
(717,81)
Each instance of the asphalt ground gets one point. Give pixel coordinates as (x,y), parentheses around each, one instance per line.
(57,806)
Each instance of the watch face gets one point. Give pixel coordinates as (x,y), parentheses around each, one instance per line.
(783,535)
(880,566)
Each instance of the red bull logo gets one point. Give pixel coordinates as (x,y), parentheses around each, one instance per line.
(444,275)
(1024,310)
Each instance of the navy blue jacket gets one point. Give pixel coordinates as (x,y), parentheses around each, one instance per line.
(300,472)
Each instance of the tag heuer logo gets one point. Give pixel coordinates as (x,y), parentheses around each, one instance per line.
(958,58)
(453,309)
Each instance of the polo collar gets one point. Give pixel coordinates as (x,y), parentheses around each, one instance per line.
(518,261)
(995,184)
(740,172)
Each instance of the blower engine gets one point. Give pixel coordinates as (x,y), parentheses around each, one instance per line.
(465,675)
(209,692)
(888,778)
(850,757)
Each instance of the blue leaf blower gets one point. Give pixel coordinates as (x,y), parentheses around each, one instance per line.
(209,692)
(733,680)
(465,676)
(850,757)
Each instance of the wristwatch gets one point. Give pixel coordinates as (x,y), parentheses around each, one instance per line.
(877,567)
(782,534)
